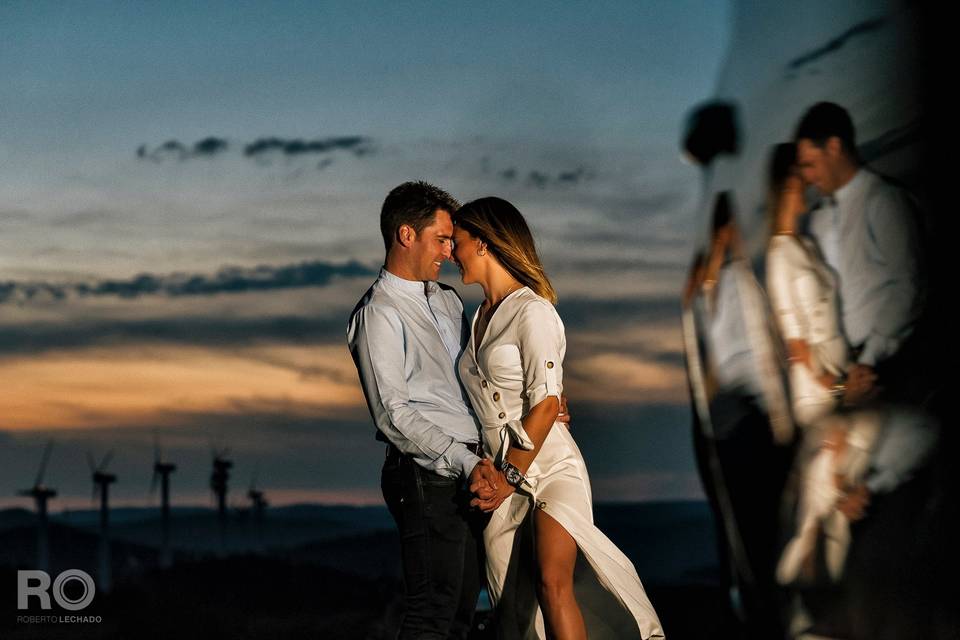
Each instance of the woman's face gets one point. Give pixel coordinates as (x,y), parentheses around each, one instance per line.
(792,194)
(465,248)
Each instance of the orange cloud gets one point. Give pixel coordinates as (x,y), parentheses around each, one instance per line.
(143,385)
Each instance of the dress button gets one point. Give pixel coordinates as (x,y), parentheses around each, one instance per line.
(483,383)
(549,365)
(502,415)
(496,395)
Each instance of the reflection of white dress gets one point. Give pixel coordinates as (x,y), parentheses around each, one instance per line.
(518,364)
(803,293)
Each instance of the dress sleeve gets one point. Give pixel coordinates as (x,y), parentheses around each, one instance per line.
(542,344)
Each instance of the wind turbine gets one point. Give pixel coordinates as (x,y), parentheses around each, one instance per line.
(41,494)
(162,470)
(102,481)
(218,483)
(259,504)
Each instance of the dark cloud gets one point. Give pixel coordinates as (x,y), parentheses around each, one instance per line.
(176,150)
(226,280)
(509,174)
(209,146)
(543,180)
(36,338)
(590,313)
(297,146)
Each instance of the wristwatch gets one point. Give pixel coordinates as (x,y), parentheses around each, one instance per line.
(512,474)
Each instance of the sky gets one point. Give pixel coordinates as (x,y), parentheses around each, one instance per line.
(189,201)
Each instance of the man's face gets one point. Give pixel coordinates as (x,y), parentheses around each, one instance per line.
(432,246)
(816,166)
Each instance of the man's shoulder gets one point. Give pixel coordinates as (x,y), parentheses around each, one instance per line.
(376,301)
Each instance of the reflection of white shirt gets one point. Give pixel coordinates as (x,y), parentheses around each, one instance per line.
(734,364)
(870,239)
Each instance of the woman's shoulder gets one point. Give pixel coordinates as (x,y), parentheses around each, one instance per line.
(531,306)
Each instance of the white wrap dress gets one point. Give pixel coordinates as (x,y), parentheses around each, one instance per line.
(517,365)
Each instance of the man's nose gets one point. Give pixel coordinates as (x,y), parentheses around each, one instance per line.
(447,252)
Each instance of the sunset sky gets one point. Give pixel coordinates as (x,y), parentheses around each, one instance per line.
(189,199)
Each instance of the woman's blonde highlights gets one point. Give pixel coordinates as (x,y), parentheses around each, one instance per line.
(502,227)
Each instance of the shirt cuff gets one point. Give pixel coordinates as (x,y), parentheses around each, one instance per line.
(465,459)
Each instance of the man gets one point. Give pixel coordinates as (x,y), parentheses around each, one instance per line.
(406,335)
(868,234)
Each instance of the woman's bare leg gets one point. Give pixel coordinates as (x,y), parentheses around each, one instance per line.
(556,558)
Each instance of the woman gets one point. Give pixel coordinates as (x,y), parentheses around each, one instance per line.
(512,370)
(803,292)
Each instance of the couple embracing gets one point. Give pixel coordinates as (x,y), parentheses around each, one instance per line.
(481,474)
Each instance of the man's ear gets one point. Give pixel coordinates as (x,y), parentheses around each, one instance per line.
(834,147)
(406,235)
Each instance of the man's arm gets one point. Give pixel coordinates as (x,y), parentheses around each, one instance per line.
(376,343)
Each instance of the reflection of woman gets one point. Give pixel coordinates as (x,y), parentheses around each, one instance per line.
(512,370)
(803,292)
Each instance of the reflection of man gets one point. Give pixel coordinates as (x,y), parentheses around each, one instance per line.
(746,426)
(868,235)
(406,335)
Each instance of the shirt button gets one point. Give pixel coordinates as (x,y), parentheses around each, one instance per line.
(483,383)
(496,395)
(549,365)
(502,415)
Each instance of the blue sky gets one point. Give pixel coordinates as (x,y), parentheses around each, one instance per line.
(571,111)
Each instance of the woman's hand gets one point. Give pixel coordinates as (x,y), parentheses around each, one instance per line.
(501,492)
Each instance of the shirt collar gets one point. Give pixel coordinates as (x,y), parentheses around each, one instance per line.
(856,184)
(409,286)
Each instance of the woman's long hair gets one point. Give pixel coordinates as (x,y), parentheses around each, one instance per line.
(782,165)
(498,223)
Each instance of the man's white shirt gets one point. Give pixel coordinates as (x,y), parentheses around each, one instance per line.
(869,236)
(406,338)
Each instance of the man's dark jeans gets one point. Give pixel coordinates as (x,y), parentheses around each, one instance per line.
(441,540)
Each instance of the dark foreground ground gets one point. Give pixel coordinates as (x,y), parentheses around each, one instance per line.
(345,584)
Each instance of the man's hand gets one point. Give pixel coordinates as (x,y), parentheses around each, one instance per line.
(564,414)
(502,491)
(861,384)
(483,479)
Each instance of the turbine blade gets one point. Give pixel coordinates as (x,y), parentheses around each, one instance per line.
(106,460)
(43,464)
(153,482)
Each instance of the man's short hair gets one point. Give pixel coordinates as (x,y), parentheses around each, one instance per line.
(414,204)
(825,120)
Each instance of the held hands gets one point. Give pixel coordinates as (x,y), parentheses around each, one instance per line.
(861,384)
(489,486)
(484,479)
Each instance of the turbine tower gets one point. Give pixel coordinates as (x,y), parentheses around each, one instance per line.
(258,505)
(41,494)
(162,471)
(218,483)
(102,481)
